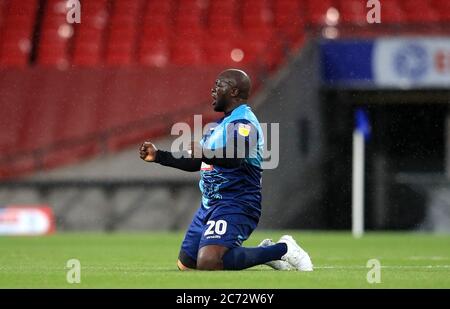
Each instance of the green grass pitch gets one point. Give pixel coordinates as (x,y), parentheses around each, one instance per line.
(135,260)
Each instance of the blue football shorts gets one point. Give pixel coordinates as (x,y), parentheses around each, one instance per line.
(216,228)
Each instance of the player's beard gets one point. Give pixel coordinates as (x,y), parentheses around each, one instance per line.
(220,104)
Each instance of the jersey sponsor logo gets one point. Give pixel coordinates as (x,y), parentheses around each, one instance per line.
(244,129)
(206,167)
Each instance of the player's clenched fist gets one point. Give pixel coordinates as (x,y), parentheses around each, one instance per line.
(147,152)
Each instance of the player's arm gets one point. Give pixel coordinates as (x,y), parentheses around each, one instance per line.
(212,157)
(149,153)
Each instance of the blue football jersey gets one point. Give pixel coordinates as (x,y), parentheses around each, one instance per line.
(234,190)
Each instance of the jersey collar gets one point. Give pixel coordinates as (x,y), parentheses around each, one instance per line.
(243,105)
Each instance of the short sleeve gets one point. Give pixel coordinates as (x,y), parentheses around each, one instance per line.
(241,135)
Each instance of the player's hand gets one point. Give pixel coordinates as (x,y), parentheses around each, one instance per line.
(195,150)
(147,152)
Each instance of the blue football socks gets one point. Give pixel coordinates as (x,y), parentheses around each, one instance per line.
(241,257)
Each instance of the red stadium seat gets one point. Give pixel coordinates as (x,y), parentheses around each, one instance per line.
(316,11)
(3,4)
(55,34)
(253,51)
(289,21)
(185,52)
(17,23)
(256,22)
(122,36)
(119,55)
(53,55)
(15,53)
(353,12)
(89,42)
(87,54)
(256,14)
(189,20)
(264,34)
(94,5)
(2,14)
(266,51)
(89,34)
(419,11)
(217,8)
(393,13)
(190,8)
(155,34)
(219,52)
(88,47)
(159,8)
(127,7)
(123,32)
(126,23)
(189,33)
(154,53)
(224,28)
(17,29)
(156,21)
(23,8)
(222,15)
(443,9)
(255,6)
(287,13)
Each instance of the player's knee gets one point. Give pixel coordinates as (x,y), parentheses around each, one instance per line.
(209,263)
(210,257)
(185,262)
(183,267)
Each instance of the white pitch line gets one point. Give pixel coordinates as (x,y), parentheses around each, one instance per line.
(433,258)
(387,266)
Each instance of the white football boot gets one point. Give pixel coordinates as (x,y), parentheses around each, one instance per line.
(295,255)
(277,264)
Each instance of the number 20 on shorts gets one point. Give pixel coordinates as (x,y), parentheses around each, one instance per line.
(218,227)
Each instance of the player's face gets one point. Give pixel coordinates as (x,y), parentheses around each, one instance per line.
(221,94)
